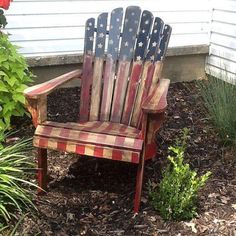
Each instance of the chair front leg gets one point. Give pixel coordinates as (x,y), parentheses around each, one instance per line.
(42,170)
(139,184)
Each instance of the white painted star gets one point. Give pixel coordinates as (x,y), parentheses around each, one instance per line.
(143,31)
(132,14)
(117,19)
(126,44)
(155,23)
(152,58)
(146,22)
(144,14)
(88,28)
(138,58)
(155,31)
(154,44)
(111,27)
(140,44)
(101,25)
(126,20)
(91,38)
(90,24)
(101,35)
(110,41)
(130,30)
(159,51)
(99,45)
(166,27)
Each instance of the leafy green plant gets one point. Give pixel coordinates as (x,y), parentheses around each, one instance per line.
(14,75)
(15,194)
(220,100)
(176,196)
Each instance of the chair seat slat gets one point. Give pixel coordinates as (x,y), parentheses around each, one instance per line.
(89,137)
(87,149)
(98,127)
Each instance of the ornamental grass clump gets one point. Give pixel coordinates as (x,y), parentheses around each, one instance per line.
(15,191)
(220,100)
(176,196)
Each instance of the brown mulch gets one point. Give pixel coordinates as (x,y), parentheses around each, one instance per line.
(89,196)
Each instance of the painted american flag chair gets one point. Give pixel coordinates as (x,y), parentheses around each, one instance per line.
(123,98)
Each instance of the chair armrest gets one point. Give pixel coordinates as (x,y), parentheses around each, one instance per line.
(156,102)
(47,87)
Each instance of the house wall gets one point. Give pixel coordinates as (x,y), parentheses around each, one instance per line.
(56,27)
(222,59)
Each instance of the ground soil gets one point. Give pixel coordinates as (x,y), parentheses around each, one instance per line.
(89,196)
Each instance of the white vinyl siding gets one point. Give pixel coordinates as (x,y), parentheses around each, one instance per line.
(56,27)
(222,57)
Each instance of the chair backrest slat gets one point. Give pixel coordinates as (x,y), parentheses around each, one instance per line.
(148,70)
(152,79)
(110,66)
(87,70)
(98,66)
(130,28)
(139,57)
(122,76)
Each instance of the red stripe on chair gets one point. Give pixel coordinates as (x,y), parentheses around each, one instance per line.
(109,75)
(86,84)
(131,92)
(117,155)
(120,91)
(43,143)
(61,146)
(65,133)
(47,131)
(80,149)
(135,158)
(98,151)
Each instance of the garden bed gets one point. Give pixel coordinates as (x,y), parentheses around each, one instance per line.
(89,196)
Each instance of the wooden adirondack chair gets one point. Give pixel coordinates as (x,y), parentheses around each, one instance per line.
(119,118)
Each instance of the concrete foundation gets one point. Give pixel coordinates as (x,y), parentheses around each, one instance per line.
(182,64)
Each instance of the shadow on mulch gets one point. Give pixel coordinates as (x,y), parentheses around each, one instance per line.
(89,196)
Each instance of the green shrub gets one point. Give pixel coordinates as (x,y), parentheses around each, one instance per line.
(220,100)
(14,75)
(176,196)
(15,194)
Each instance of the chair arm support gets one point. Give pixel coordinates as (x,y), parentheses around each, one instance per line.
(37,108)
(156,102)
(45,88)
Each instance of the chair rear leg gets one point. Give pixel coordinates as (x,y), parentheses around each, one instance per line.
(42,170)
(139,184)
